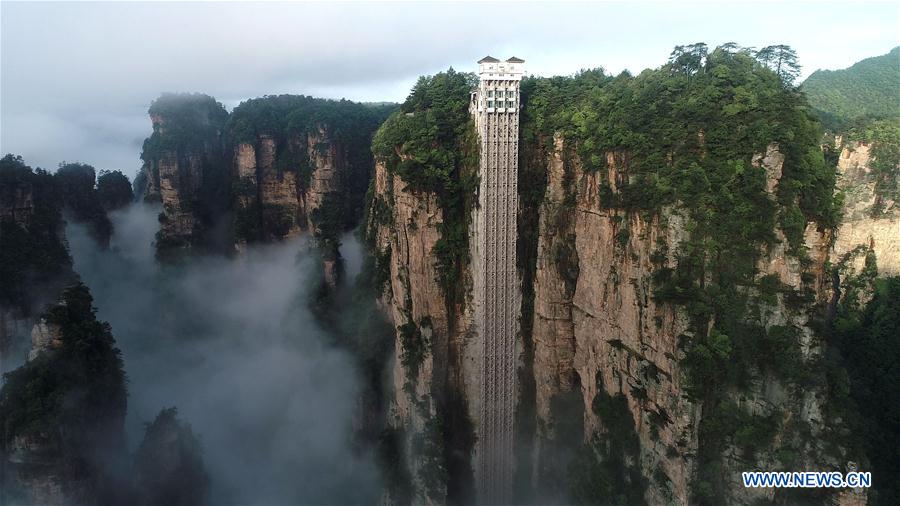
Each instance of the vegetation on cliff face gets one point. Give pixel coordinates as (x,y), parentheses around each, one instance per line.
(184,123)
(73,397)
(532,183)
(169,468)
(285,116)
(608,469)
(80,198)
(884,136)
(432,145)
(862,103)
(289,120)
(198,136)
(114,190)
(868,90)
(34,262)
(866,335)
(188,137)
(686,135)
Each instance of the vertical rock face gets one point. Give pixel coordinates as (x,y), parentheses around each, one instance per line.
(60,448)
(327,161)
(863,226)
(17,202)
(45,337)
(16,210)
(179,180)
(289,182)
(598,329)
(267,204)
(404,232)
(35,263)
(596,324)
(324,189)
(35,456)
(296,184)
(418,231)
(43,482)
(274,167)
(186,171)
(625,343)
(278,191)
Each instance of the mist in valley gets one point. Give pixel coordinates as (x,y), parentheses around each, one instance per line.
(233,345)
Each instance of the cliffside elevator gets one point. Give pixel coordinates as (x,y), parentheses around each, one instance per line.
(495,107)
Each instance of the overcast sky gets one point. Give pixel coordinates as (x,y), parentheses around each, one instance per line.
(77,78)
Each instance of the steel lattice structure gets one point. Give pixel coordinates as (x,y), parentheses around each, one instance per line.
(495,106)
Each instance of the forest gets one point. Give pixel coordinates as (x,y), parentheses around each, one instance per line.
(688,136)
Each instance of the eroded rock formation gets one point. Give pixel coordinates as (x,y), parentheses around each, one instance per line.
(274,168)
(863,225)
(432,362)
(599,331)
(185,168)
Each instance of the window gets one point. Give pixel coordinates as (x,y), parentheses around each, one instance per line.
(490,93)
(511,105)
(490,103)
(500,104)
(510,93)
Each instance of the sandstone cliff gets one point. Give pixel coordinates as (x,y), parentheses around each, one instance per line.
(185,170)
(63,446)
(417,233)
(674,295)
(598,329)
(34,263)
(37,473)
(273,168)
(432,367)
(297,184)
(863,225)
(596,325)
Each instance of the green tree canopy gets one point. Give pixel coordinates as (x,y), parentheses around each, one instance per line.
(114,190)
(869,89)
(75,183)
(34,261)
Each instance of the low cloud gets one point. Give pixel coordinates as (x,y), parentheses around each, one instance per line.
(231,343)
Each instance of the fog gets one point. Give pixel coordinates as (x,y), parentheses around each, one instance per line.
(77,77)
(231,344)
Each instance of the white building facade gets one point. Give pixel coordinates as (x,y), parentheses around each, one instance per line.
(495,106)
